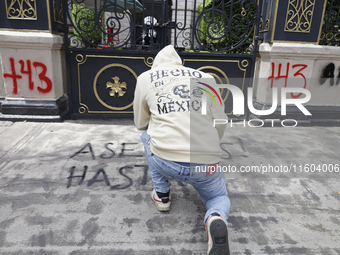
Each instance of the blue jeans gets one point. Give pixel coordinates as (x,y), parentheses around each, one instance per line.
(212,189)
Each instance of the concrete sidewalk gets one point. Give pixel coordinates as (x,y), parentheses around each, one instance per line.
(83,187)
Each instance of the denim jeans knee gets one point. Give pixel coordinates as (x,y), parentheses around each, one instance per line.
(212,188)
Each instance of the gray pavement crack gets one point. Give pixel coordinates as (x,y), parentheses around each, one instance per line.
(24,139)
(27,183)
(306,207)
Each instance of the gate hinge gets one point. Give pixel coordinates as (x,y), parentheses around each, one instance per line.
(258,37)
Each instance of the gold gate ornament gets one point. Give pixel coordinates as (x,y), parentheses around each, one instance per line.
(21,9)
(299,16)
(116,87)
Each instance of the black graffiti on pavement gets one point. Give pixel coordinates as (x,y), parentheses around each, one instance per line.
(236,144)
(112,152)
(329,73)
(145,173)
(224,149)
(95,178)
(82,150)
(119,186)
(87,148)
(78,176)
(102,176)
(126,151)
(122,154)
(82,177)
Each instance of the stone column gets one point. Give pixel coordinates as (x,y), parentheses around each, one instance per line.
(291,57)
(32,62)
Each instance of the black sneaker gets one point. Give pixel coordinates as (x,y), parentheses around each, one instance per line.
(217,234)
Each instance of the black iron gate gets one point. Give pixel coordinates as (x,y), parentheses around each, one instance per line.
(110,42)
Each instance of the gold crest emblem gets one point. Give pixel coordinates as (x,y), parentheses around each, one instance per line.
(116,87)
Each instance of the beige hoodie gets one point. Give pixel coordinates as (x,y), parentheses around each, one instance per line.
(168,101)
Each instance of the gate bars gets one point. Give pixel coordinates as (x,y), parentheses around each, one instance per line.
(331,24)
(207,26)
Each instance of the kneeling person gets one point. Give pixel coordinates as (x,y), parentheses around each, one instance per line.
(179,139)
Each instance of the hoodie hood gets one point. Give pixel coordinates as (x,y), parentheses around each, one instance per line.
(167,55)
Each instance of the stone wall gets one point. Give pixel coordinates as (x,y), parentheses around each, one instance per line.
(313,67)
(33,75)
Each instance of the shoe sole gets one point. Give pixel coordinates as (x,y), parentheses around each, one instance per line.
(219,237)
(159,207)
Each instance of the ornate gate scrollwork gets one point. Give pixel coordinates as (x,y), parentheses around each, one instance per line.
(111,42)
(21,9)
